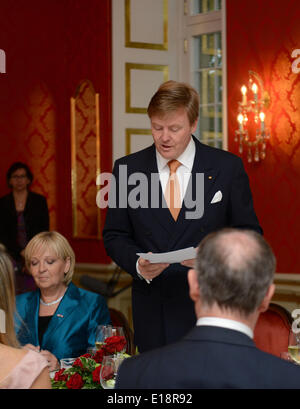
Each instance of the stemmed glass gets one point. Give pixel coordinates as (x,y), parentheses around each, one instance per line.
(109,370)
(294,346)
(103,332)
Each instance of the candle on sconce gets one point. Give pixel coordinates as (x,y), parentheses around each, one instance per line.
(262,121)
(240,119)
(251,128)
(254,89)
(244,93)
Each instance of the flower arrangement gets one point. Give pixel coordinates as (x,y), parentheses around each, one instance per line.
(85,371)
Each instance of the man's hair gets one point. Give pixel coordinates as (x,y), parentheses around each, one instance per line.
(171,96)
(235,269)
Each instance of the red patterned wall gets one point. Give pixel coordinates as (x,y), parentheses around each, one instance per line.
(261,36)
(50,46)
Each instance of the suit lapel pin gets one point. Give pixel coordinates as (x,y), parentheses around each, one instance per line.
(60,315)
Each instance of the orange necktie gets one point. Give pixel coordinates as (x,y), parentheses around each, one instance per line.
(172,192)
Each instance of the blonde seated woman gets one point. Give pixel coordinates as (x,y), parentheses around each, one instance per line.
(58,319)
(20,368)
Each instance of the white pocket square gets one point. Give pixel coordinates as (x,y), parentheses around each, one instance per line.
(217,197)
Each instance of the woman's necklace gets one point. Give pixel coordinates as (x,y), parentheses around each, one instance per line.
(47,304)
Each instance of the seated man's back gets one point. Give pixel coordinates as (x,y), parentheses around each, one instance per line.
(232,283)
(209,357)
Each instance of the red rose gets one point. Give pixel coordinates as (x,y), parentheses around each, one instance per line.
(114,344)
(98,357)
(78,363)
(75,382)
(96,374)
(59,376)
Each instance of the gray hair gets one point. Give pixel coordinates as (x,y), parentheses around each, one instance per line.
(235,269)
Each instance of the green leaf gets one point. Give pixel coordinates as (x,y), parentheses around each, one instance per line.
(88,363)
(58,384)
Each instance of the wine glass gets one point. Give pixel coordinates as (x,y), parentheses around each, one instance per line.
(67,362)
(109,370)
(294,346)
(102,332)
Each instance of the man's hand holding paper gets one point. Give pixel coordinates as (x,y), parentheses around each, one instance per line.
(150,270)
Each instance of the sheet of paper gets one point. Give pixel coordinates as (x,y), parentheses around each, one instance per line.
(170,257)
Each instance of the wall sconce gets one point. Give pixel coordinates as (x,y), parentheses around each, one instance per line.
(251,114)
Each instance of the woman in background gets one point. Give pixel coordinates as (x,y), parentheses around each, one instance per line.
(19,368)
(23,214)
(60,319)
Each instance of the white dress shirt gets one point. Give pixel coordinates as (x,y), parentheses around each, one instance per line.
(183,172)
(226,323)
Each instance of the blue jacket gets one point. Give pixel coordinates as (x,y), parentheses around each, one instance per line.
(72,328)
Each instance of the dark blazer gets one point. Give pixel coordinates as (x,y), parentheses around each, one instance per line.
(208,357)
(72,328)
(36,217)
(163,311)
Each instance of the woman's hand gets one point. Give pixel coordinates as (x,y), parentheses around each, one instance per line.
(53,363)
(32,347)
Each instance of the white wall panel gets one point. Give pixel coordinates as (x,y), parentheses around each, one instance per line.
(145,33)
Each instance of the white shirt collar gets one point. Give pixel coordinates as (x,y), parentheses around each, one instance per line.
(226,323)
(186,158)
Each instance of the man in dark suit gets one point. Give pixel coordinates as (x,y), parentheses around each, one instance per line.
(231,284)
(209,190)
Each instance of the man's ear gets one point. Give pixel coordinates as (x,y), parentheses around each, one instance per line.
(267,299)
(193,285)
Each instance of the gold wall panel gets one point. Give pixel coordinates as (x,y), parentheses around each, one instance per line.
(134,131)
(148,67)
(138,44)
(85,150)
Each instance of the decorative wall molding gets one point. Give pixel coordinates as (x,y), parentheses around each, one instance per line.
(85,161)
(146,40)
(135,131)
(133,85)
(129,22)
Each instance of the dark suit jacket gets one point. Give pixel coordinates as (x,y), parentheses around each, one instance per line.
(72,328)
(36,220)
(208,357)
(162,310)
